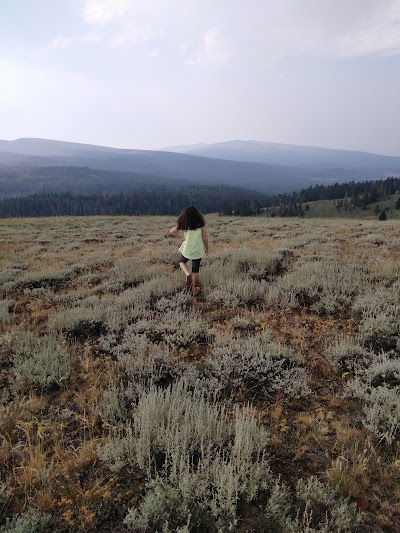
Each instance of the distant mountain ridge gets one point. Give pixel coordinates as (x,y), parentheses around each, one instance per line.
(263,177)
(287,154)
(267,167)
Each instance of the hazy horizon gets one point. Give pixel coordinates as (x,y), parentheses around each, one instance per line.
(147,74)
(166,148)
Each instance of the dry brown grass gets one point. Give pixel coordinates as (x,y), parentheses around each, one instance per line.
(49,438)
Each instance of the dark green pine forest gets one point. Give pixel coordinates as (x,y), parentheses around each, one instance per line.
(82,191)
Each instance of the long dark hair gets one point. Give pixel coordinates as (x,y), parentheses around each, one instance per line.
(190,218)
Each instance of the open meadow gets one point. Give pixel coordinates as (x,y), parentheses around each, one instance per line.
(270,403)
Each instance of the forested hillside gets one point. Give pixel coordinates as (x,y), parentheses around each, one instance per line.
(149,199)
(79,191)
(348,197)
(360,193)
(26,180)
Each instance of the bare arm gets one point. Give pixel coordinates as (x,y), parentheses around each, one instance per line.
(175,232)
(205,239)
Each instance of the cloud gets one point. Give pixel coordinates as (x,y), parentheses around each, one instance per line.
(128,26)
(91,38)
(67,42)
(61,42)
(134,34)
(263,33)
(102,12)
(334,28)
(380,37)
(210,52)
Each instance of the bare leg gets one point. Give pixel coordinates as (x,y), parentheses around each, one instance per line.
(186,272)
(196,283)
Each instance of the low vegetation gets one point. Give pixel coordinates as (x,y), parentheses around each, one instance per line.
(271,402)
(378,199)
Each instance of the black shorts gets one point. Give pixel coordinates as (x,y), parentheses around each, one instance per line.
(195,263)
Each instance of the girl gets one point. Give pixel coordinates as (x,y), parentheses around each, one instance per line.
(195,243)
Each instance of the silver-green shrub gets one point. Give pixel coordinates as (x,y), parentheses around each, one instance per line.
(130,272)
(47,278)
(259,364)
(107,312)
(197,455)
(380,409)
(83,317)
(377,387)
(97,259)
(29,522)
(235,292)
(9,277)
(166,252)
(10,273)
(257,264)
(38,361)
(314,508)
(176,328)
(371,238)
(244,323)
(215,272)
(243,264)
(384,369)
(379,330)
(276,296)
(114,312)
(5,314)
(71,297)
(161,508)
(139,365)
(324,510)
(180,301)
(143,361)
(379,311)
(112,405)
(324,286)
(159,286)
(278,509)
(347,352)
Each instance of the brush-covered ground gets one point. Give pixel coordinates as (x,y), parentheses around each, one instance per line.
(270,403)
(328,208)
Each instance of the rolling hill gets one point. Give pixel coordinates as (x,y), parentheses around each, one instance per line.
(266,167)
(312,157)
(259,176)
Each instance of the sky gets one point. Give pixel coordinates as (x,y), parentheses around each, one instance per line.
(156,73)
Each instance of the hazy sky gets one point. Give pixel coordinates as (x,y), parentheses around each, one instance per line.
(155,73)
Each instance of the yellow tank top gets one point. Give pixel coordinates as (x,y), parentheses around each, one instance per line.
(193,246)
